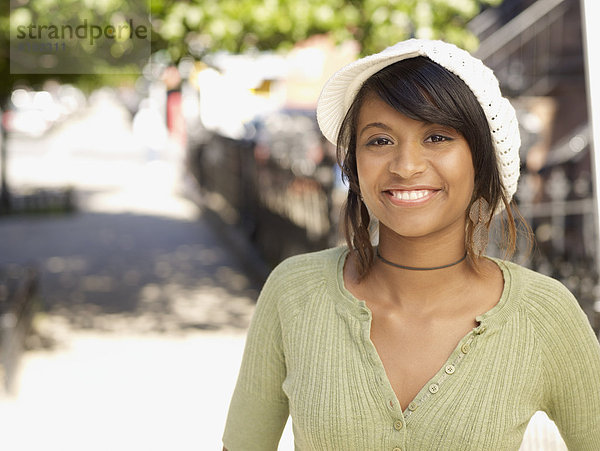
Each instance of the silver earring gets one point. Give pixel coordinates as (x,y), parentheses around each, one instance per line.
(479,214)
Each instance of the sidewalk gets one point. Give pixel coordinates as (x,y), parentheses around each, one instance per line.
(144,333)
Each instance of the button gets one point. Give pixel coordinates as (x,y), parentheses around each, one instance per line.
(465,348)
(398,425)
(397,449)
(481,329)
(434,388)
(450,369)
(413,406)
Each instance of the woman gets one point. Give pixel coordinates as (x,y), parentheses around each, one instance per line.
(421,342)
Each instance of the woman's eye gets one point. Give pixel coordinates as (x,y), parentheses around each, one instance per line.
(379,142)
(437,139)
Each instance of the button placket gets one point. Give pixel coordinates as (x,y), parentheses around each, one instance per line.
(448,370)
(377,367)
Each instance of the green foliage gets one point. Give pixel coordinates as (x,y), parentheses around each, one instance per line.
(239,25)
(104,58)
(183,27)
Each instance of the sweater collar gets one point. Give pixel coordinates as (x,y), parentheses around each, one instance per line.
(492,319)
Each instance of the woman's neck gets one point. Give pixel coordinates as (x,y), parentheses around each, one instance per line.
(423,288)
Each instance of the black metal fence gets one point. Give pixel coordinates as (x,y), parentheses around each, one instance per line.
(276,186)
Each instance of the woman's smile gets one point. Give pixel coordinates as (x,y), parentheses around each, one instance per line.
(415,177)
(410,197)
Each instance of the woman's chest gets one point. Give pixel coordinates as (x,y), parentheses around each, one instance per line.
(413,351)
(339,391)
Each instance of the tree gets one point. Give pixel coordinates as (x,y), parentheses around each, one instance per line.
(197,26)
(40,39)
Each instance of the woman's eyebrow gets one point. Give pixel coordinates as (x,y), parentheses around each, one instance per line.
(375,125)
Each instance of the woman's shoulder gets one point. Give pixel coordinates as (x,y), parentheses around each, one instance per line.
(546,300)
(321,263)
(531,278)
(322,257)
(303,272)
(301,280)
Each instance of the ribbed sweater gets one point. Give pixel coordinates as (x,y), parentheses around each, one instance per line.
(309,355)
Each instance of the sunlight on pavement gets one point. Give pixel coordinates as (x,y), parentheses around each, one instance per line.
(150,190)
(124,392)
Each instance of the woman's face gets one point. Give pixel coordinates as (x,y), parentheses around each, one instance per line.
(416,178)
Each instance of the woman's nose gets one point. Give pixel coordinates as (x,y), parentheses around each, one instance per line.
(408,160)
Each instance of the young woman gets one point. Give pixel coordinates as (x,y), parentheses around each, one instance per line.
(420,342)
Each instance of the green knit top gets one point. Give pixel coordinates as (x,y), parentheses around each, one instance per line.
(309,355)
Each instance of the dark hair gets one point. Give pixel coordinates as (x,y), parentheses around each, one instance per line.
(425,91)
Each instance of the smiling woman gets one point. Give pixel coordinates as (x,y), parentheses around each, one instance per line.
(420,342)
(425,93)
(416,177)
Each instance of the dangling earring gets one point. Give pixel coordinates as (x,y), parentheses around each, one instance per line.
(363,211)
(479,214)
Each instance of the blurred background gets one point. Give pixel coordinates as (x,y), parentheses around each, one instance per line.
(140,211)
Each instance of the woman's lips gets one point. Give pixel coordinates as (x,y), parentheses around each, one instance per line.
(410,197)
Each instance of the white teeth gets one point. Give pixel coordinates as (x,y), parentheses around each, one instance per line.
(410,195)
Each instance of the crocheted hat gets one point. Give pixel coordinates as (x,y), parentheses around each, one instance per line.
(339,92)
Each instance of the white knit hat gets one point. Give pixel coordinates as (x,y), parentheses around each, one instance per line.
(339,92)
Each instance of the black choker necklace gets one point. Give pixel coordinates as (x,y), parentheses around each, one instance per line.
(413,268)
